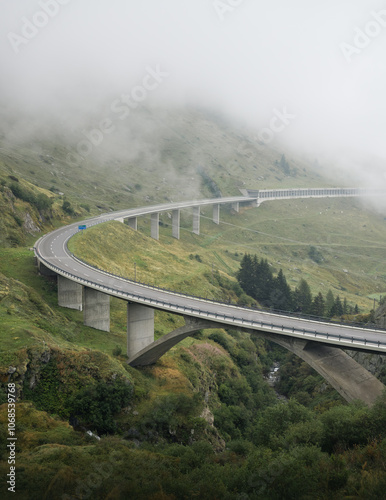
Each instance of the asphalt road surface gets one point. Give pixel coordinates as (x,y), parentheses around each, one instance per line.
(52,251)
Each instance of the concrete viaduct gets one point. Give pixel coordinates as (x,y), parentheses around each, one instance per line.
(82,287)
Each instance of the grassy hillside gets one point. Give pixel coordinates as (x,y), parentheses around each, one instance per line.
(351,242)
(157,155)
(203,422)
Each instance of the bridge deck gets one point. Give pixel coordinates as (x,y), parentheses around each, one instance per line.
(52,251)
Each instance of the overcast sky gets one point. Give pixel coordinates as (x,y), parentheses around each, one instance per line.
(321,62)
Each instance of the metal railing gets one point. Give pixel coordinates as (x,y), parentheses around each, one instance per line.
(239,321)
(227,318)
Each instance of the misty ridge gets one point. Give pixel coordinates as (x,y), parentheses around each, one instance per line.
(114,82)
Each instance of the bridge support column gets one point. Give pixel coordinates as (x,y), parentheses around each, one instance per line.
(236,206)
(155,226)
(216,213)
(196,220)
(96,309)
(133,223)
(150,354)
(254,203)
(70,294)
(44,270)
(176,216)
(140,328)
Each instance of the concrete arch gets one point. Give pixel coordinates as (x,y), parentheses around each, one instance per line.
(346,376)
(151,354)
(350,379)
(96,286)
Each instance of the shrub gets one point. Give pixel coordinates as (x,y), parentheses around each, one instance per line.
(344,426)
(85,207)
(22,193)
(220,339)
(43,202)
(315,255)
(95,405)
(173,417)
(275,420)
(66,207)
(117,351)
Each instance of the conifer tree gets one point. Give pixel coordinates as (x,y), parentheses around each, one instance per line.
(281,294)
(303,297)
(329,303)
(337,308)
(264,281)
(318,305)
(245,275)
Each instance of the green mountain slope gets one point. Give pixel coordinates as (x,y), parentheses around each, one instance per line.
(203,421)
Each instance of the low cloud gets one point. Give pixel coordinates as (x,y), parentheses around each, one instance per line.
(65,62)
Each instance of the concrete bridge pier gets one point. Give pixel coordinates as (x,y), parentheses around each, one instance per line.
(216,214)
(44,270)
(176,216)
(70,294)
(236,206)
(155,226)
(196,220)
(96,309)
(151,354)
(140,328)
(133,223)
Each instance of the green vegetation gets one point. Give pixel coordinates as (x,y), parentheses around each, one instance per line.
(285,166)
(95,405)
(257,280)
(203,422)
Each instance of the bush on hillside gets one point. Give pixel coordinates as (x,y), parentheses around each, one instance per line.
(96,405)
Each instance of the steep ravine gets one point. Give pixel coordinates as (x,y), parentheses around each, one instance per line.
(374,363)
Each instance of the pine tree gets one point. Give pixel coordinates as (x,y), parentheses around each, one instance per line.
(318,306)
(264,282)
(329,303)
(337,308)
(284,165)
(303,297)
(245,275)
(254,276)
(281,294)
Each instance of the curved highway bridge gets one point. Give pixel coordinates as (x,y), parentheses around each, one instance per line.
(83,287)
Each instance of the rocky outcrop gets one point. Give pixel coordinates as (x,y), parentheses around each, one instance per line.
(374,363)
(380,315)
(29,225)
